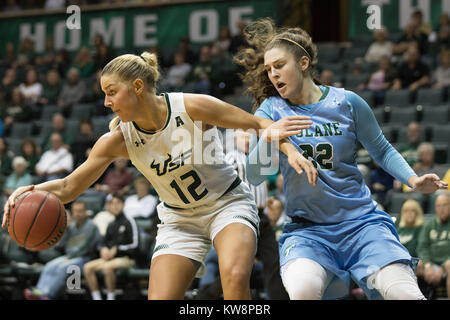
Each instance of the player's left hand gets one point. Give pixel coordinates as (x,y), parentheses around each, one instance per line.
(428,183)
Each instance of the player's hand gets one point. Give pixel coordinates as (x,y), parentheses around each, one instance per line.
(286,127)
(428,183)
(12,202)
(300,164)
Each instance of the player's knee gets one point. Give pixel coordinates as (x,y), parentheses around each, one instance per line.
(236,275)
(306,288)
(447,267)
(397,282)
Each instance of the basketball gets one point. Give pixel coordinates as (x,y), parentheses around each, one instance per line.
(37,221)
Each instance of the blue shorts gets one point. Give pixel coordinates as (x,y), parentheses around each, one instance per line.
(352,249)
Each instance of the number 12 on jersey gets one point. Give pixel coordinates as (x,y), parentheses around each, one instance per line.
(191,188)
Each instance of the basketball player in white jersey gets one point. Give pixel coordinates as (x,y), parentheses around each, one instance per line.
(202,203)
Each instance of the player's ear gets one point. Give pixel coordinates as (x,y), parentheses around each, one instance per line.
(138,86)
(304,63)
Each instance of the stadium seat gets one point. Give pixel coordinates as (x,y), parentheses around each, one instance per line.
(21,130)
(402,116)
(435,114)
(399,98)
(350,54)
(328,55)
(100,125)
(45,127)
(48,111)
(389,132)
(362,40)
(440,133)
(367,96)
(402,136)
(429,96)
(93,203)
(441,151)
(353,80)
(14,145)
(379,115)
(81,110)
(397,200)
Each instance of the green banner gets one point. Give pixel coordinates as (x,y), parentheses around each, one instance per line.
(394,14)
(140,27)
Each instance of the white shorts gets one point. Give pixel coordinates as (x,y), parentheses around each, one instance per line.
(190,232)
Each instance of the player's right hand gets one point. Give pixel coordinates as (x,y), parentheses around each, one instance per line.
(300,164)
(12,202)
(286,127)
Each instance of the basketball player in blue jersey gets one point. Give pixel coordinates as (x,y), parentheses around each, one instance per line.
(203,203)
(336,234)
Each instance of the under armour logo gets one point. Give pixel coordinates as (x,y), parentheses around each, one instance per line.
(137,143)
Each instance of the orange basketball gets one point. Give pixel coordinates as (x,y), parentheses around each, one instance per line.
(37,221)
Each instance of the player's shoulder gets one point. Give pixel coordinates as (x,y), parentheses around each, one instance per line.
(113,142)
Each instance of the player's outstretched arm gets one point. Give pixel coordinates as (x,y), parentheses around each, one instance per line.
(213,111)
(107,148)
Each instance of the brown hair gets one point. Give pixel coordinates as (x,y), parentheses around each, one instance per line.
(262,35)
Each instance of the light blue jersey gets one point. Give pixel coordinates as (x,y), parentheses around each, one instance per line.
(336,223)
(340,119)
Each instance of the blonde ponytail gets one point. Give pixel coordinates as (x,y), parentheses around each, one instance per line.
(113,123)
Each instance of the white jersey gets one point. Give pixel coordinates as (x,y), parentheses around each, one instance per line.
(185,165)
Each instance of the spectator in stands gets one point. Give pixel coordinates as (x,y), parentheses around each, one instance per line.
(54,4)
(238,40)
(410,225)
(5,161)
(327,78)
(31,88)
(434,244)
(447,177)
(381,183)
(26,53)
(177,73)
(380,80)
(58,126)
(224,41)
(19,178)
(9,57)
(31,153)
(412,74)
(201,73)
(409,151)
(44,61)
(275,212)
(425,163)
(441,76)
(118,179)
(9,82)
(16,110)
(424,27)
(78,247)
(51,89)
(142,204)
(410,35)
(83,142)
(84,63)
(11,7)
(103,218)
(72,92)
(380,48)
(62,62)
(185,47)
(117,250)
(442,41)
(55,163)
(102,56)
